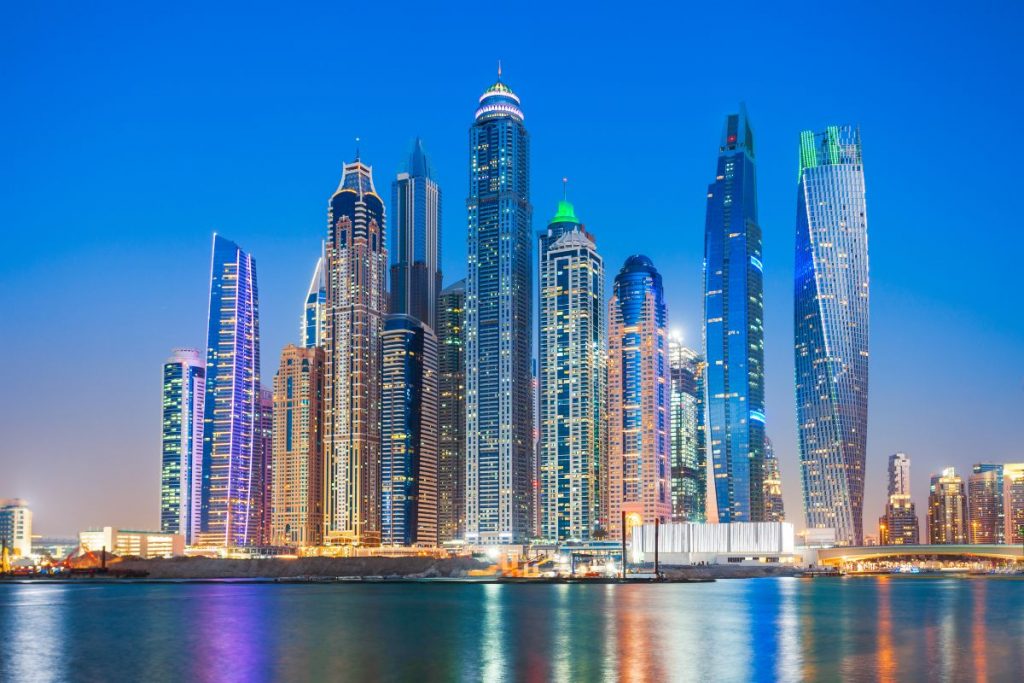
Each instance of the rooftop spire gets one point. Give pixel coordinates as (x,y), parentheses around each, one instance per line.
(357,148)
(565,189)
(499,69)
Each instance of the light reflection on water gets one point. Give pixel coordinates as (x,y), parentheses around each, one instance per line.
(887,629)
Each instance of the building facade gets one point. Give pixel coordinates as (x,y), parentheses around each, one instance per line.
(899,524)
(639,420)
(451,413)
(774,508)
(947,509)
(409,452)
(16,527)
(899,474)
(985,500)
(831,319)
(262,469)
(356,306)
(231,409)
(415,244)
(689,459)
(184,391)
(1013,502)
(314,312)
(734,327)
(499,410)
(297,517)
(572,374)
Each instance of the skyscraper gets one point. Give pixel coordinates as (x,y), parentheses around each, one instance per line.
(314,311)
(262,470)
(734,327)
(231,408)
(298,471)
(947,509)
(985,499)
(1013,502)
(639,470)
(356,305)
(16,526)
(416,240)
(774,508)
(831,319)
(689,459)
(409,415)
(899,525)
(499,412)
(181,478)
(451,413)
(572,376)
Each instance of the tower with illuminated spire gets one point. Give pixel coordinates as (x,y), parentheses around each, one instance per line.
(415,244)
(499,410)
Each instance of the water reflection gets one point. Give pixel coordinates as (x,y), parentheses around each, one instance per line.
(884,629)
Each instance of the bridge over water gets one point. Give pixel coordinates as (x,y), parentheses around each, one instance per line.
(841,555)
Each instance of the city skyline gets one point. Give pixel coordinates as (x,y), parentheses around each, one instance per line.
(262,241)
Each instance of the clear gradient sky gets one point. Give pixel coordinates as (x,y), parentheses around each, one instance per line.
(129,134)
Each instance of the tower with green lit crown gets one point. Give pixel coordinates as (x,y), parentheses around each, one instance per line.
(572,372)
(499,406)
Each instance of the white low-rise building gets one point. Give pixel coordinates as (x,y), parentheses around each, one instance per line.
(125,542)
(16,526)
(687,543)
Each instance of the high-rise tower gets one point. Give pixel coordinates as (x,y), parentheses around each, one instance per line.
(451,413)
(314,311)
(689,464)
(572,379)
(831,319)
(499,412)
(734,328)
(639,469)
(356,305)
(899,525)
(416,240)
(182,443)
(986,503)
(774,507)
(231,411)
(947,509)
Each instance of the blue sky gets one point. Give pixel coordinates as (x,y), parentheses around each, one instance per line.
(130,134)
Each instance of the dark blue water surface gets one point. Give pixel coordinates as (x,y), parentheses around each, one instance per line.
(760,629)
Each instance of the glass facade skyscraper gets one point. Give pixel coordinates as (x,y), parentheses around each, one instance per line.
(639,420)
(986,504)
(262,467)
(409,451)
(184,388)
(499,410)
(689,459)
(734,328)
(314,311)
(572,377)
(356,306)
(899,525)
(415,245)
(774,507)
(947,509)
(231,411)
(451,412)
(831,319)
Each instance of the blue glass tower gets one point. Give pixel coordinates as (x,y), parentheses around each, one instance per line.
(499,409)
(416,240)
(314,311)
(182,443)
(831,320)
(734,328)
(231,416)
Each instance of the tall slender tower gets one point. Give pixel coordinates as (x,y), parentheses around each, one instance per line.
(774,507)
(734,327)
(262,467)
(298,472)
(182,443)
(231,411)
(899,525)
(499,412)
(639,421)
(409,414)
(416,240)
(572,379)
(986,503)
(947,509)
(314,311)
(689,464)
(451,413)
(831,319)
(356,305)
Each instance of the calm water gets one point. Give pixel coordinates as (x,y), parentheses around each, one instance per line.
(762,629)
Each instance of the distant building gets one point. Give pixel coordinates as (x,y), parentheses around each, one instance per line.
(409,427)
(774,508)
(689,458)
(262,470)
(181,480)
(1013,502)
(831,316)
(572,373)
(899,524)
(356,306)
(297,517)
(947,509)
(639,468)
(985,500)
(231,407)
(314,312)
(131,543)
(451,413)
(16,526)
